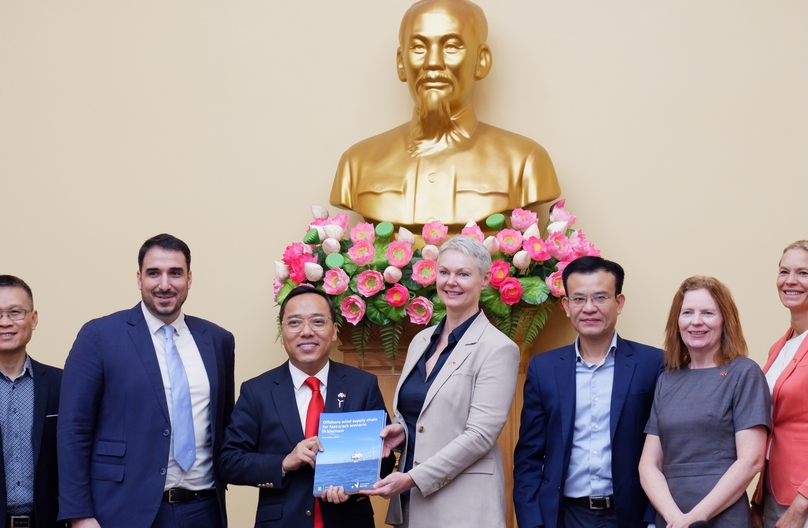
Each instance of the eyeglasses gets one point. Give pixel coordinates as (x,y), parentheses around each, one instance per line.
(598,299)
(15,314)
(315,323)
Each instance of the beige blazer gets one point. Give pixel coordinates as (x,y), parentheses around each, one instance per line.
(458,465)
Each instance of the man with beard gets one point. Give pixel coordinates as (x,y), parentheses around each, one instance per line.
(443,164)
(147,394)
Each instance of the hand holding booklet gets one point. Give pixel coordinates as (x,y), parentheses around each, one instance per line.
(352,451)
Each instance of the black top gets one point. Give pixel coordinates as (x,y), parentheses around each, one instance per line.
(413,391)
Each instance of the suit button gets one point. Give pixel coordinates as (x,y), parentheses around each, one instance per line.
(270,485)
(163,471)
(432,177)
(420,428)
(166,432)
(308,513)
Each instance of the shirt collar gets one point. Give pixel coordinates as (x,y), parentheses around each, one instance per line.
(299,377)
(612,347)
(457,333)
(156,324)
(26,370)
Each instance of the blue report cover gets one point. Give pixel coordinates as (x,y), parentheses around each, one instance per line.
(352,450)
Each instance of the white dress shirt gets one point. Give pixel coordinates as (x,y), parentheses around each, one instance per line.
(302,391)
(200,475)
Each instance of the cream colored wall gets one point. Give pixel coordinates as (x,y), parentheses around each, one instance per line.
(678,130)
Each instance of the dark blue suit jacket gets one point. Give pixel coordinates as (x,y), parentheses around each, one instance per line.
(266,427)
(542,454)
(114,429)
(47,381)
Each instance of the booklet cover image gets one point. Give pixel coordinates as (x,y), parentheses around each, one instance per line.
(352,450)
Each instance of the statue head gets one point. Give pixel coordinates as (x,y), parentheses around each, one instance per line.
(442,53)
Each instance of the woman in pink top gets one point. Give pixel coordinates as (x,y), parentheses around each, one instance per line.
(781,499)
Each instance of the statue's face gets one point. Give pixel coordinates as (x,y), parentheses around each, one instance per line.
(440,51)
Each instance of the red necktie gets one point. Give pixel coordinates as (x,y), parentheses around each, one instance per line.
(312,424)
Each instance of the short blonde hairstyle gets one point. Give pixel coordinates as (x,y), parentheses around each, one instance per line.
(733,343)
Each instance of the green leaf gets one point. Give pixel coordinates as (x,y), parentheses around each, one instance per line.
(349,267)
(288,286)
(375,315)
(391,335)
(536,290)
(491,300)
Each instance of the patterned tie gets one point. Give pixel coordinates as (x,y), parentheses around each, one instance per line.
(184,440)
(312,423)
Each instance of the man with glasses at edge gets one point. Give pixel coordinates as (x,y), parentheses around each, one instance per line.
(585,408)
(29,406)
(270,442)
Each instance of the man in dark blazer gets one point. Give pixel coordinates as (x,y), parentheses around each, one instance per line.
(265,444)
(585,408)
(146,396)
(29,391)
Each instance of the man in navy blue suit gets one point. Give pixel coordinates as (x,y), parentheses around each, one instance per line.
(585,408)
(267,445)
(146,396)
(29,392)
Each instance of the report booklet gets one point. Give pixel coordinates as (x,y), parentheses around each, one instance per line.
(352,450)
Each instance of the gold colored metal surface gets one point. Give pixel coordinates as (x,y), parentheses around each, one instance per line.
(444,164)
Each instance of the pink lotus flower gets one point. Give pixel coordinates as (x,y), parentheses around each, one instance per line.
(397,296)
(510,241)
(430,252)
(521,260)
(424,272)
(555,283)
(363,231)
(558,214)
(537,249)
(362,253)
(560,265)
(522,219)
(392,274)
(277,284)
(473,231)
(331,245)
(352,308)
(500,270)
(420,310)
(281,271)
(369,282)
(292,251)
(340,220)
(559,246)
(492,245)
(405,235)
(582,246)
(336,281)
(313,271)
(296,262)
(435,233)
(399,254)
(511,290)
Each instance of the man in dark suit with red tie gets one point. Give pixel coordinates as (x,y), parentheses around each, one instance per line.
(271,442)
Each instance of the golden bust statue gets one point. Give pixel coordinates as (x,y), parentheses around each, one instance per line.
(444,164)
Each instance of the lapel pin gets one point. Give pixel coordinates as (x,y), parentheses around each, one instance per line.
(724,373)
(340,399)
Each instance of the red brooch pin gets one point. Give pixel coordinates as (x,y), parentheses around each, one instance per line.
(724,373)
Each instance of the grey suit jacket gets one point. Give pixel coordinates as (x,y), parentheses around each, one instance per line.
(458,465)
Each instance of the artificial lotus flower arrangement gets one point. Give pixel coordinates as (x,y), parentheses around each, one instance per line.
(376,278)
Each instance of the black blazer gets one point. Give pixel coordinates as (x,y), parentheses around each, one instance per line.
(265,427)
(47,383)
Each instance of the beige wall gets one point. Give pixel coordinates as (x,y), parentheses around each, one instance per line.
(678,130)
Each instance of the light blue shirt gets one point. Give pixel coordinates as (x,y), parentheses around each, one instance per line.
(590,469)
